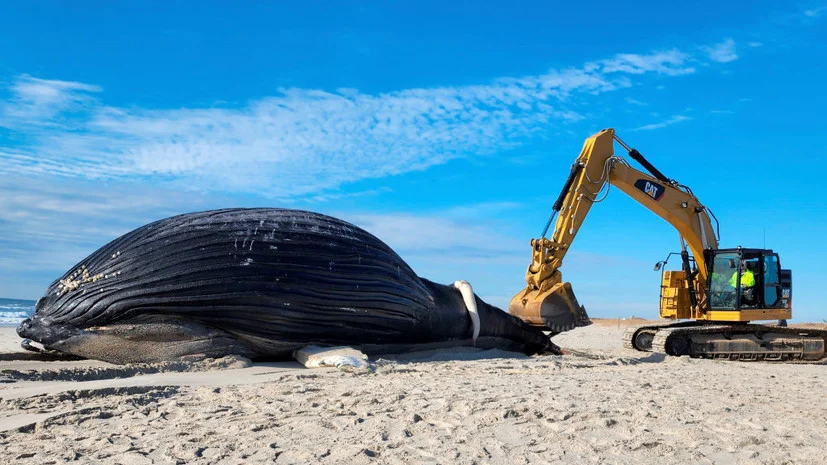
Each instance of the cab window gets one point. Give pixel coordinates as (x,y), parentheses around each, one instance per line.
(772,283)
(722,294)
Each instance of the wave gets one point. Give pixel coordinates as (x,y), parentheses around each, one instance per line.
(12,311)
(13,307)
(13,317)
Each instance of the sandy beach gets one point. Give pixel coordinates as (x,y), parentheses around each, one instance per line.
(598,404)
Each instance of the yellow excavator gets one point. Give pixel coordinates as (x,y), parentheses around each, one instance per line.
(716,294)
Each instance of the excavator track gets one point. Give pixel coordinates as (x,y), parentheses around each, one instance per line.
(640,337)
(743,342)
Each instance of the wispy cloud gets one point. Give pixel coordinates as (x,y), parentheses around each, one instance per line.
(302,141)
(48,225)
(39,101)
(73,168)
(636,102)
(438,232)
(815,12)
(663,124)
(671,63)
(723,52)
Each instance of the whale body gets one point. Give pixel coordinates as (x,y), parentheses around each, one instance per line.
(259,283)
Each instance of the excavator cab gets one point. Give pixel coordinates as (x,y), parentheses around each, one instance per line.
(747,281)
(741,285)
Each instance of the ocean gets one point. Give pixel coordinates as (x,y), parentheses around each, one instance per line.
(13,311)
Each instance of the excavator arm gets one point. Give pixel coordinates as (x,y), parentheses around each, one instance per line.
(547,300)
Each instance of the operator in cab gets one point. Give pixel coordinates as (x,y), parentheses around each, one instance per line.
(747,284)
(747,277)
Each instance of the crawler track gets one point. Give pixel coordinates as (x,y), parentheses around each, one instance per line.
(640,337)
(745,342)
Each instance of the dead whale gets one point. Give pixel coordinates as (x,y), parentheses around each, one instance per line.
(259,283)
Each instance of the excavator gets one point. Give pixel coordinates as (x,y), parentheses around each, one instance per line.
(712,300)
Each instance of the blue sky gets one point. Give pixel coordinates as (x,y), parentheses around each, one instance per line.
(445,128)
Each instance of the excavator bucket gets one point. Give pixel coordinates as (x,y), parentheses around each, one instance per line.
(556,309)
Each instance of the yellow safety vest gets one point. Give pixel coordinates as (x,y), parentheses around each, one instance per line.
(747,279)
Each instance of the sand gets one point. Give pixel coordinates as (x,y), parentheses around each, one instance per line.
(598,404)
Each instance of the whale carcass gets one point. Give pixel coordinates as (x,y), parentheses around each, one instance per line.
(259,283)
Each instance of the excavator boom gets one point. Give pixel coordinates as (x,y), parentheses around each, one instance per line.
(549,301)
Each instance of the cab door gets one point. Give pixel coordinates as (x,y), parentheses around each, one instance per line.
(772,281)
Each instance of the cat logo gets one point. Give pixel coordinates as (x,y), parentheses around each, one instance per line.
(650,188)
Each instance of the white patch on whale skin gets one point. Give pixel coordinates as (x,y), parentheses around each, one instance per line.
(343,358)
(471,304)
